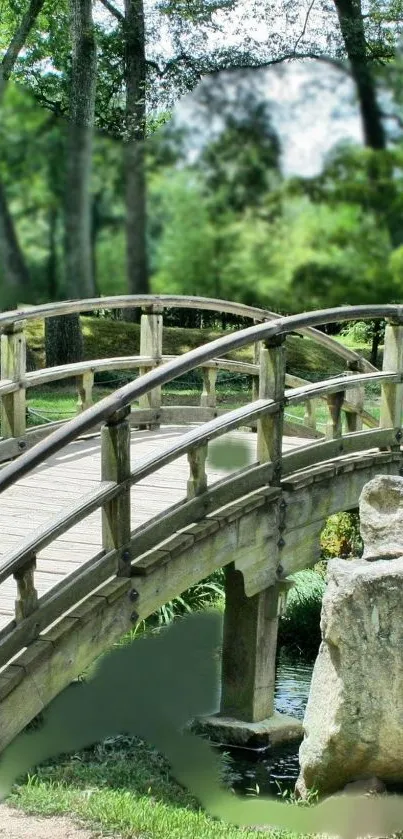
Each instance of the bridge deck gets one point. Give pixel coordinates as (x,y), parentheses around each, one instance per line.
(60,481)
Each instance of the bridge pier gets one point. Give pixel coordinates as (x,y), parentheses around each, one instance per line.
(247,717)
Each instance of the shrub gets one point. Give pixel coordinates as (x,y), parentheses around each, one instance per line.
(299,626)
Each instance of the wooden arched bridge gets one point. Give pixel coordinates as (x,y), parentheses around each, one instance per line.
(107,516)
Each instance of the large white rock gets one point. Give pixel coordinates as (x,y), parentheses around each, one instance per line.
(353,726)
(381,517)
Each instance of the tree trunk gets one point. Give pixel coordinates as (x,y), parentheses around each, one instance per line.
(14,270)
(96,227)
(352,29)
(78,254)
(135,77)
(63,341)
(375,342)
(51,271)
(63,335)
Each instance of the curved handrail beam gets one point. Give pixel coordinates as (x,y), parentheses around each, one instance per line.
(173,301)
(124,396)
(195,437)
(316,390)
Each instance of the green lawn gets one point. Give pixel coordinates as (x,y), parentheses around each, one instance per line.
(124,788)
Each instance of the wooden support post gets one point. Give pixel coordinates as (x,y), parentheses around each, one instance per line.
(13,366)
(27,598)
(256,358)
(197,482)
(115,466)
(310,414)
(356,398)
(208,397)
(391,414)
(249,650)
(271,386)
(335,403)
(151,345)
(85,384)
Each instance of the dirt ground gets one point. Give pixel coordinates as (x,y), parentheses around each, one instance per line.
(14,824)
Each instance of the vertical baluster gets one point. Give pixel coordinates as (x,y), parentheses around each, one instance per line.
(115,466)
(334,426)
(13,366)
(271,385)
(356,398)
(310,413)
(151,345)
(208,397)
(85,384)
(197,482)
(27,596)
(391,413)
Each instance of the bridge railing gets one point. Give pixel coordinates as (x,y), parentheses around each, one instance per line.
(16,381)
(123,550)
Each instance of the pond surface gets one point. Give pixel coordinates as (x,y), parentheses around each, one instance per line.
(275,770)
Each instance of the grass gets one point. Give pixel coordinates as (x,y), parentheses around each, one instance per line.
(104,338)
(124,787)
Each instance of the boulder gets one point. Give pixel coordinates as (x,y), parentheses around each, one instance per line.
(353,726)
(381,517)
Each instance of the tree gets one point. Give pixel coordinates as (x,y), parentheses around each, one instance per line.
(13,266)
(64,342)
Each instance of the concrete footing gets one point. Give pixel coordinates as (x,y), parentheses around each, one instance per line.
(273,731)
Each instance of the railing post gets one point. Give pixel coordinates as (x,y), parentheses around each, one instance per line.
(27,597)
(334,426)
(115,466)
(391,412)
(249,649)
(151,345)
(256,358)
(310,414)
(85,384)
(356,398)
(271,386)
(208,397)
(13,366)
(197,482)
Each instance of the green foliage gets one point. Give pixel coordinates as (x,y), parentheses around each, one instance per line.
(341,536)
(183,256)
(299,626)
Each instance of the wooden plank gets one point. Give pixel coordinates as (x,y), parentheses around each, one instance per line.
(49,533)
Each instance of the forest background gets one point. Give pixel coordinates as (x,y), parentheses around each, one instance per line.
(108,187)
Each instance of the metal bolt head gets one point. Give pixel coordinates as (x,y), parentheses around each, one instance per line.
(134,595)
(126,556)
(134,617)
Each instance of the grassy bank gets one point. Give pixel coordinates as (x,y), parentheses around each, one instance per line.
(105,338)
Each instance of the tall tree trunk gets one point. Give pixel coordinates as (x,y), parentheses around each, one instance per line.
(78,201)
(51,269)
(64,340)
(135,79)
(13,268)
(352,29)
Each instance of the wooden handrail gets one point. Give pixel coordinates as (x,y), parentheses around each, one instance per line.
(159,302)
(172,369)
(336,384)
(198,437)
